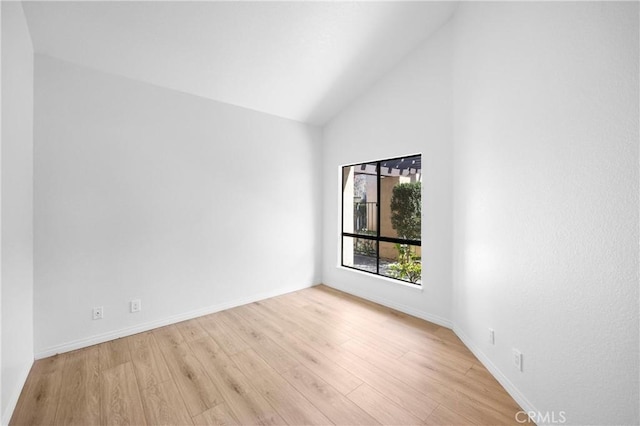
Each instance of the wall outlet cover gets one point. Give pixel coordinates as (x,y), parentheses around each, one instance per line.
(98,313)
(517,359)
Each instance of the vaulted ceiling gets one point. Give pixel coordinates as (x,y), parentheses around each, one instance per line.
(299,60)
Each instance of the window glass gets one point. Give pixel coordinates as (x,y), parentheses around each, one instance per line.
(360,198)
(382,217)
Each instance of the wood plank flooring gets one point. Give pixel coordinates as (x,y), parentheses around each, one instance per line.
(316,356)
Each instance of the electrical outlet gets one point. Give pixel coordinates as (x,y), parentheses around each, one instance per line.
(136,305)
(492,337)
(98,313)
(517,359)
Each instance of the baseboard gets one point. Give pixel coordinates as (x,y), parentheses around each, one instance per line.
(128,331)
(496,373)
(402,308)
(15,395)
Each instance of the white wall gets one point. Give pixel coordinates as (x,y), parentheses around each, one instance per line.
(137,195)
(546,201)
(407,112)
(142,192)
(17,204)
(1,138)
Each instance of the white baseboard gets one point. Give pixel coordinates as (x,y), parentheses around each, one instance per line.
(128,331)
(495,372)
(402,308)
(13,400)
(81,343)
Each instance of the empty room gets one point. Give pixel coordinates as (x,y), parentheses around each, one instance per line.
(328,213)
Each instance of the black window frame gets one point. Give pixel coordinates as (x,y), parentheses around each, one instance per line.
(376,238)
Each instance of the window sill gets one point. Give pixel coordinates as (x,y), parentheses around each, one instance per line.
(415,287)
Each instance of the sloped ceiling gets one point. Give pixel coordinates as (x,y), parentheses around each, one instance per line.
(299,60)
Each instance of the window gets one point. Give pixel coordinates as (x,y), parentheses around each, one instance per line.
(381,218)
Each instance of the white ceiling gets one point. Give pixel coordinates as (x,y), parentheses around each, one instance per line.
(299,60)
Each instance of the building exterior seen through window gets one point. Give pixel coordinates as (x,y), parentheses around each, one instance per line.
(382,217)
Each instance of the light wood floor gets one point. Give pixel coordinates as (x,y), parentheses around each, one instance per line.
(316,356)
